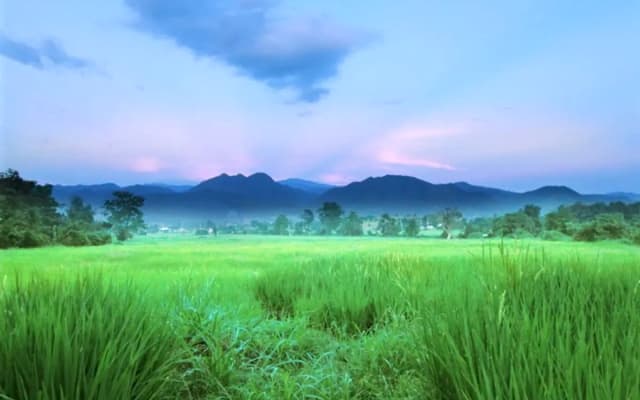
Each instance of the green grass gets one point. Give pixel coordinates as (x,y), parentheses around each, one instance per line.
(330,318)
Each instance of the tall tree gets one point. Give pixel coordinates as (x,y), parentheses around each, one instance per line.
(28,212)
(124,214)
(388,226)
(281,225)
(80,228)
(79,212)
(330,214)
(449,217)
(352,225)
(307,219)
(411,226)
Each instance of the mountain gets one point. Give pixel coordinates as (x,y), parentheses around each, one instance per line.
(229,195)
(403,194)
(258,195)
(92,194)
(258,190)
(306,186)
(625,196)
(97,194)
(396,193)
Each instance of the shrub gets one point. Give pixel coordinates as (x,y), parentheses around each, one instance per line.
(555,236)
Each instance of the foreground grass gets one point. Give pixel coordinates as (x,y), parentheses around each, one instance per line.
(321,318)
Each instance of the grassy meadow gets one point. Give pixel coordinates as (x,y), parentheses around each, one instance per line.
(321,318)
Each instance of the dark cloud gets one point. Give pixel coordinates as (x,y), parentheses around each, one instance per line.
(49,53)
(294,53)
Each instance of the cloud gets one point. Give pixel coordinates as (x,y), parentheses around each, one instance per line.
(391,157)
(284,53)
(49,53)
(146,164)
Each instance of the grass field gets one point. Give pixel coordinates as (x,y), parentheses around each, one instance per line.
(321,318)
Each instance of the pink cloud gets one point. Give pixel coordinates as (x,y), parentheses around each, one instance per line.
(390,157)
(146,165)
(335,179)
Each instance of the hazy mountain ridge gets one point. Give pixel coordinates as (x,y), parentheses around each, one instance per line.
(307,186)
(259,194)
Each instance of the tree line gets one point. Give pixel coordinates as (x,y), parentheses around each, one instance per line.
(31,217)
(581,222)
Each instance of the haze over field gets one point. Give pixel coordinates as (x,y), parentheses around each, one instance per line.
(515,95)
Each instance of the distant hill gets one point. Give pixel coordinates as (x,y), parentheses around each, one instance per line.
(97,194)
(257,191)
(394,193)
(232,196)
(306,186)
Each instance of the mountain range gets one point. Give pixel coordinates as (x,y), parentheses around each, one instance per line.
(257,195)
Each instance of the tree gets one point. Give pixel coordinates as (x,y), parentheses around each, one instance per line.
(449,217)
(79,212)
(80,228)
(411,226)
(533,212)
(558,220)
(352,225)
(281,225)
(28,212)
(124,214)
(388,226)
(330,214)
(307,217)
(525,221)
(478,228)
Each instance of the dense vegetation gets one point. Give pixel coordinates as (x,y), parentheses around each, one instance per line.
(324,318)
(30,216)
(581,222)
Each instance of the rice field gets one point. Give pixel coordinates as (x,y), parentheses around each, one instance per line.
(321,318)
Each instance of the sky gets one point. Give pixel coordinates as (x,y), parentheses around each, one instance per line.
(512,94)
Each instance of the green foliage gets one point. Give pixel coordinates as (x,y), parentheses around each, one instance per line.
(559,220)
(124,214)
(388,226)
(307,218)
(352,225)
(553,332)
(449,217)
(343,298)
(330,216)
(28,212)
(605,226)
(84,339)
(477,228)
(330,318)
(411,226)
(281,225)
(79,227)
(524,223)
(555,236)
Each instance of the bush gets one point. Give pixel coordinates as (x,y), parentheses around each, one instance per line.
(586,233)
(79,235)
(555,236)
(99,238)
(75,237)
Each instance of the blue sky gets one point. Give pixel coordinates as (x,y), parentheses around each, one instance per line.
(515,94)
